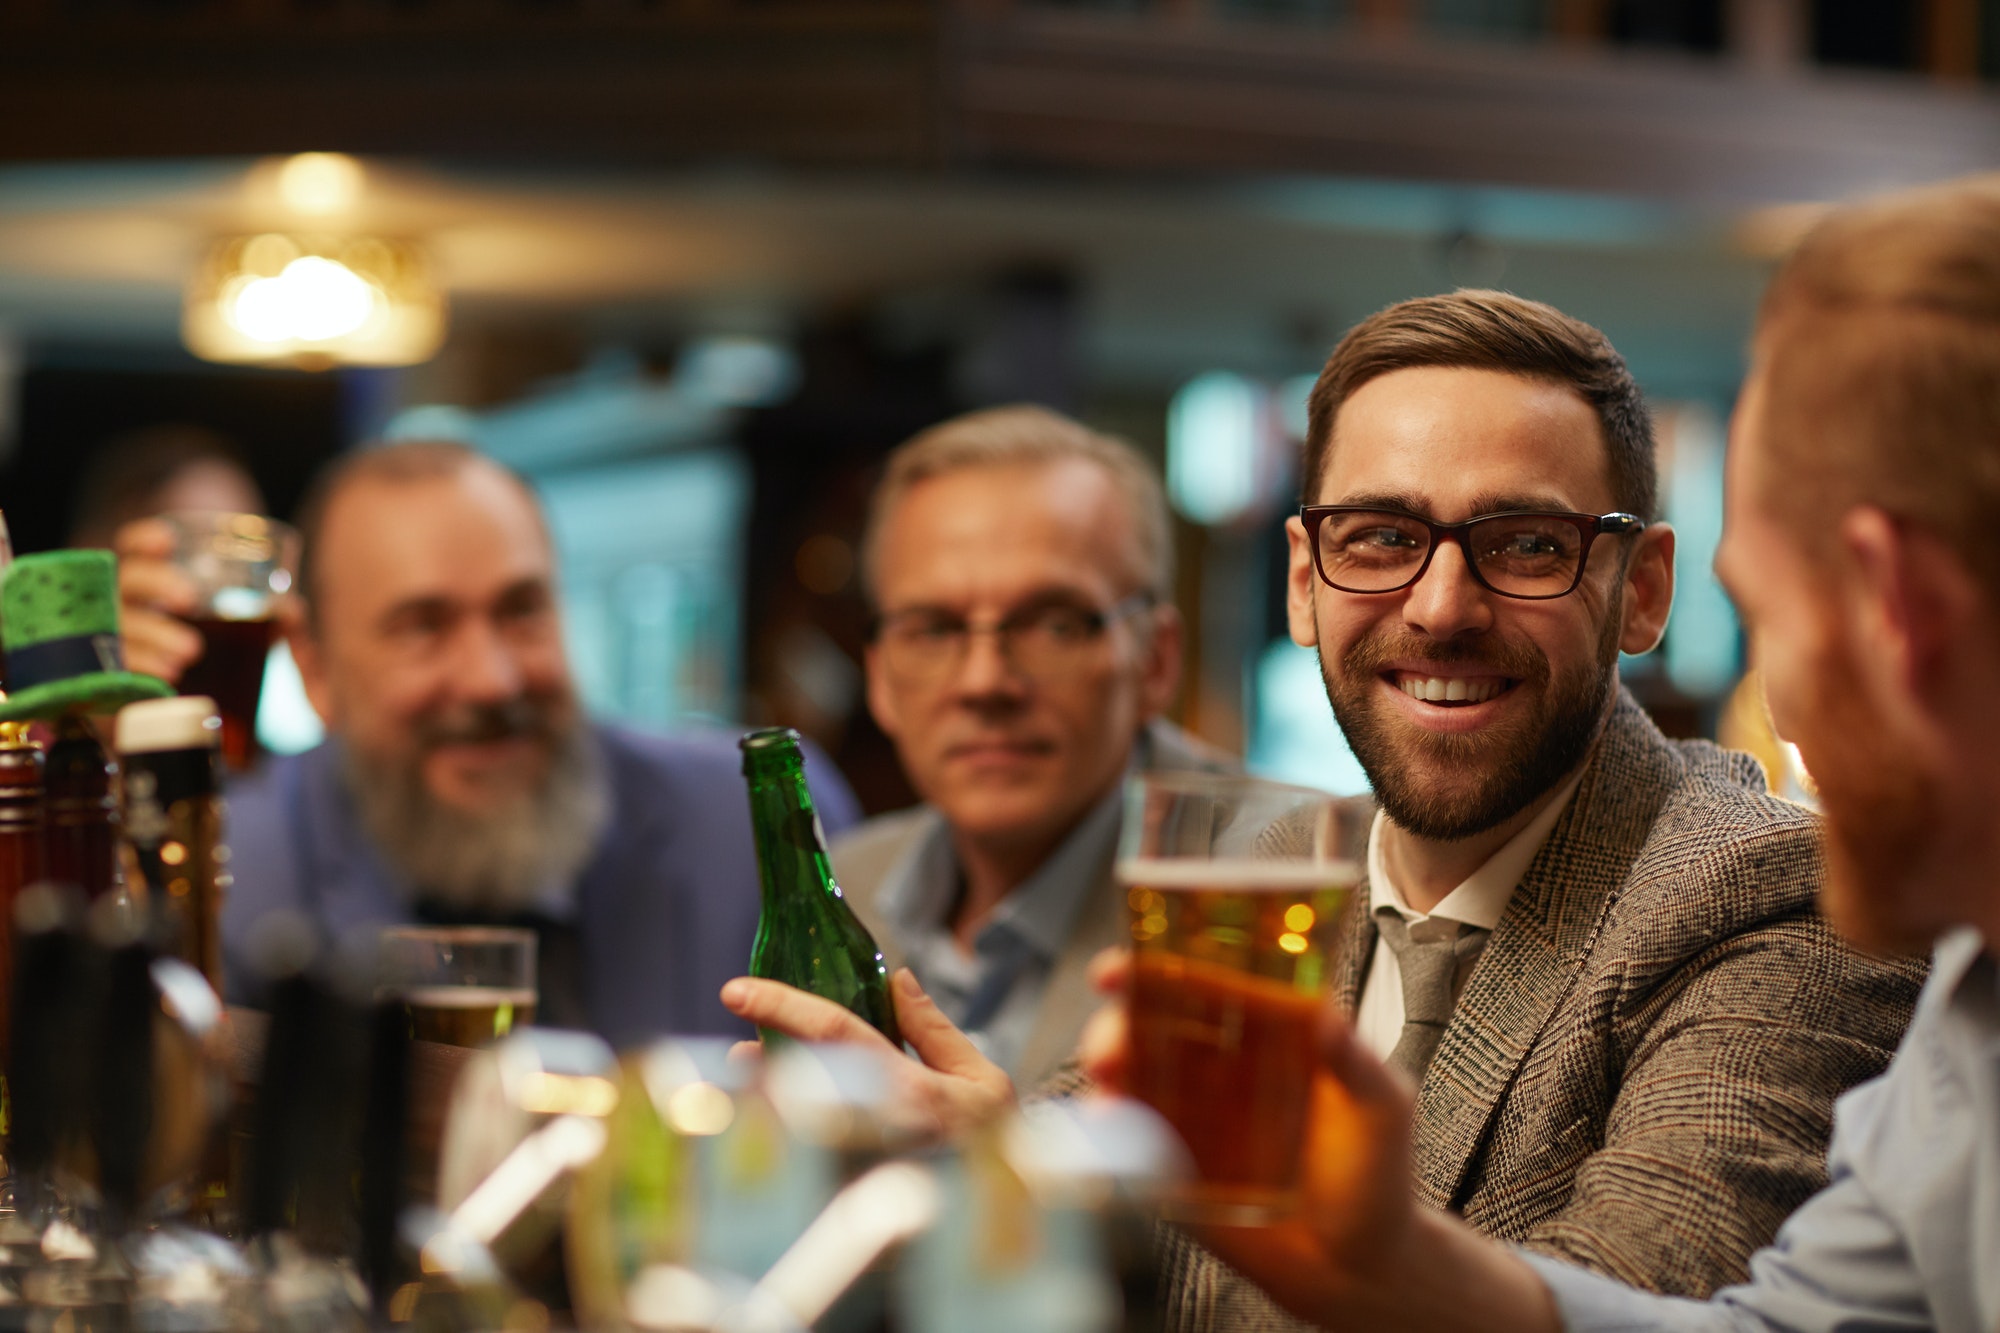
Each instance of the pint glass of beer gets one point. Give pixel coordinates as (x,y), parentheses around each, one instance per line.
(240,564)
(1235,888)
(461,985)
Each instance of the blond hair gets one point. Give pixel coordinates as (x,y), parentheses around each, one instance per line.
(1021,435)
(1879,347)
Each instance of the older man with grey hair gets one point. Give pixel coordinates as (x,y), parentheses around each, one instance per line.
(1025,644)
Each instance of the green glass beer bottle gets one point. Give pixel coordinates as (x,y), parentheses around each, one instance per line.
(807,935)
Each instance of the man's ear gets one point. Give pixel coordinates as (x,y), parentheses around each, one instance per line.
(1300,576)
(1914,607)
(1161,674)
(1649,589)
(309,655)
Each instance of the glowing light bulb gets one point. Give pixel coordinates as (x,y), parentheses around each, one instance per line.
(316,300)
(312,300)
(327,299)
(259,312)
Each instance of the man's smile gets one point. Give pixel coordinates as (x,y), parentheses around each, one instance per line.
(1448,688)
(1448,698)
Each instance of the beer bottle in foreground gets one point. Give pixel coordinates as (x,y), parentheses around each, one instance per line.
(807,935)
(173,823)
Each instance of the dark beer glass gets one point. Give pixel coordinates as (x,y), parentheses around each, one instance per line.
(1235,888)
(241,566)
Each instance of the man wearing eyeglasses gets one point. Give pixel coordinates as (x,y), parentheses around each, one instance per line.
(1025,644)
(1592,951)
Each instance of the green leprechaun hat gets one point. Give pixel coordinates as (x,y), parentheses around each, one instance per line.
(59,626)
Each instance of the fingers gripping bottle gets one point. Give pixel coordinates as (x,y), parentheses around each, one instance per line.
(807,935)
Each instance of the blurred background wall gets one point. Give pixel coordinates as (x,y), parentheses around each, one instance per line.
(700,263)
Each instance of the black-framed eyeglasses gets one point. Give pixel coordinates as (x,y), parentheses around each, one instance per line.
(1527,554)
(1043,641)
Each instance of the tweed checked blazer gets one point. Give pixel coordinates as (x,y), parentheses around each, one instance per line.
(1639,1074)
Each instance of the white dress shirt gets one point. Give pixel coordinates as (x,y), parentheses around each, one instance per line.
(1478,901)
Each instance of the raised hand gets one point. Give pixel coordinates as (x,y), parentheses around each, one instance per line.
(1361,1253)
(951,1091)
(153,596)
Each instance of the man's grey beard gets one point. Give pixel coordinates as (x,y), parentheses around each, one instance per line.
(1507,770)
(495,864)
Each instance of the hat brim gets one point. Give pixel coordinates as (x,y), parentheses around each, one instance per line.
(93,692)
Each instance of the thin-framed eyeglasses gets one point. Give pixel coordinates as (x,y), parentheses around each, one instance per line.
(1043,641)
(1530,554)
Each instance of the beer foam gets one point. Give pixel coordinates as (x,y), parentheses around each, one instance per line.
(466,997)
(1237,874)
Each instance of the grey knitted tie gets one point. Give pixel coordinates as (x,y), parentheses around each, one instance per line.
(1428,956)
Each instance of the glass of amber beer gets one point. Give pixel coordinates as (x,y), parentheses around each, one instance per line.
(1236,887)
(461,985)
(240,565)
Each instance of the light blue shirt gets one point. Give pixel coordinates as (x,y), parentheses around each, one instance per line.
(1019,943)
(1906,1235)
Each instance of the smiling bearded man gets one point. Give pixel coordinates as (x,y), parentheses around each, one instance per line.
(1593,950)
(461,782)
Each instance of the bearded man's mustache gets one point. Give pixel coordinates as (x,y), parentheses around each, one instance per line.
(522,718)
(1372,656)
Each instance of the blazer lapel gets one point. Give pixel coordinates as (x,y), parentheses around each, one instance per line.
(1353,949)
(1067,1000)
(1537,951)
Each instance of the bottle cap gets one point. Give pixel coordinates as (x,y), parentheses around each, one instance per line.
(187,722)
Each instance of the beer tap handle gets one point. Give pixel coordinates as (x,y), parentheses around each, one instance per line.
(280,1144)
(48,969)
(384,1133)
(122,1123)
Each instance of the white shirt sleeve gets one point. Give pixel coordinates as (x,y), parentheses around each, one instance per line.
(1838,1265)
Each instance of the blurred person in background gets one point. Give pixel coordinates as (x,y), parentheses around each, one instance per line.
(1592,950)
(1026,644)
(1862,546)
(461,782)
(157,471)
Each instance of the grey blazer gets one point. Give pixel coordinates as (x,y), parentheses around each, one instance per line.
(1639,1075)
(864,856)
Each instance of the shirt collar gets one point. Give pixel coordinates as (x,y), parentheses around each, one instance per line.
(1483,896)
(919,891)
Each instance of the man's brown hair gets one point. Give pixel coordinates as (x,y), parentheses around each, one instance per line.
(1879,350)
(1485,330)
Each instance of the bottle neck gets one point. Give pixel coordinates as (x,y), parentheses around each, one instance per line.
(791,842)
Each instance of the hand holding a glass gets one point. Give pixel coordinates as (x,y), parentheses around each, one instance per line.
(156,601)
(201,598)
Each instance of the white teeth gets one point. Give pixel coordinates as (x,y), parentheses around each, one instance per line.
(1451,689)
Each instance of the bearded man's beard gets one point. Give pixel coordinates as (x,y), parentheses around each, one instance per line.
(1882,813)
(499,862)
(1448,787)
